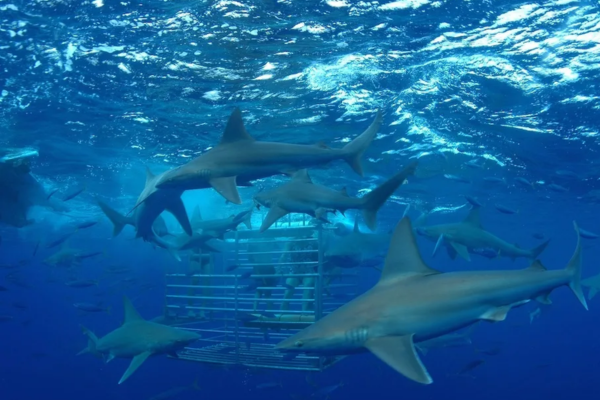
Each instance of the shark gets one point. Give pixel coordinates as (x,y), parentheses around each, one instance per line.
(301,195)
(356,248)
(137,339)
(219,227)
(463,237)
(119,220)
(146,219)
(413,302)
(68,257)
(240,159)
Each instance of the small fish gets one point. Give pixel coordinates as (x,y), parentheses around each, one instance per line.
(268,385)
(474,202)
(557,188)
(289,356)
(20,305)
(73,194)
(494,351)
(81,283)
(456,178)
(86,224)
(474,164)
(504,209)
(89,255)
(51,194)
(524,182)
(35,249)
(60,240)
(175,391)
(471,366)
(567,174)
(327,390)
(587,234)
(540,236)
(493,179)
(231,268)
(88,307)
(251,286)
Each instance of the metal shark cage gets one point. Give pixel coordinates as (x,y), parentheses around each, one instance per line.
(244,305)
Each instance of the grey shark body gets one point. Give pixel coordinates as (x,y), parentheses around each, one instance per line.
(460,238)
(137,339)
(219,227)
(301,195)
(413,302)
(146,218)
(239,159)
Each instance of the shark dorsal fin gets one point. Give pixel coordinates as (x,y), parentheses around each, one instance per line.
(235,130)
(131,313)
(403,256)
(302,176)
(356,230)
(537,265)
(473,218)
(149,175)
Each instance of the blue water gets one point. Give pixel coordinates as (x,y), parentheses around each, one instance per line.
(102,89)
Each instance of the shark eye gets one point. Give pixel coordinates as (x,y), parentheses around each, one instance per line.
(298,343)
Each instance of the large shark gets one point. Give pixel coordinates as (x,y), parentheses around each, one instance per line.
(301,195)
(462,237)
(119,220)
(137,339)
(356,248)
(413,302)
(219,227)
(239,159)
(68,257)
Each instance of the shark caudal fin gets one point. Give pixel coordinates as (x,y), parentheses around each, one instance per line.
(354,150)
(373,200)
(536,251)
(92,342)
(245,217)
(574,267)
(118,220)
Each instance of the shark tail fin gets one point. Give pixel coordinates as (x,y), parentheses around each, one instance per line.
(574,268)
(373,200)
(536,251)
(354,150)
(118,220)
(92,342)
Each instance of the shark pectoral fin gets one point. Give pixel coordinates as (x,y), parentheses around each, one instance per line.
(437,245)
(399,353)
(135,364)
(177,208)
(274,214)
(227,188)
(461,250)
(422,350)
(544,298)
(593,291)
(496,314)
